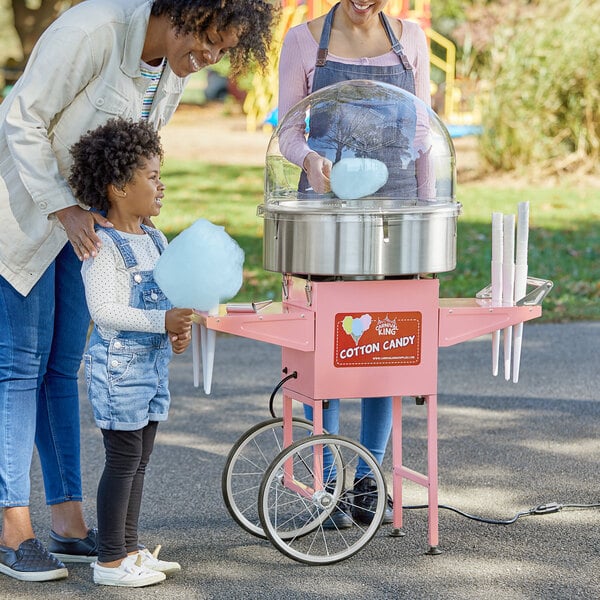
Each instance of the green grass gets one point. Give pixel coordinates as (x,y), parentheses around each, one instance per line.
(227,196)
(564,238)
(564,245)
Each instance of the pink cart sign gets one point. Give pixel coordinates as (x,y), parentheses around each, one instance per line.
(377,339)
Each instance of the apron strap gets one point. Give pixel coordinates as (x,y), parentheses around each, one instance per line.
(396,45)
(326,34)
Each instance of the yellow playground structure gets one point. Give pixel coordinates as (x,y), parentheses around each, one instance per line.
(262,98)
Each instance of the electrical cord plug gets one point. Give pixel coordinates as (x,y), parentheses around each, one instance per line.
(546,509)
(541,509)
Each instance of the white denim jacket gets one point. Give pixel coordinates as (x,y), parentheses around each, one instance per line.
(84,70)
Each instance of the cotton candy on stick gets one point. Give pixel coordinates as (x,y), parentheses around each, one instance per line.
(497,250)
(508,284)
(520,280)
(200,268)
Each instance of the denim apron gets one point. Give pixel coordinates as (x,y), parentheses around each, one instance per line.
(390,131)
(127,375)
(386,133)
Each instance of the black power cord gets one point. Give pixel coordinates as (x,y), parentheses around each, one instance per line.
(293,375)
(541,509)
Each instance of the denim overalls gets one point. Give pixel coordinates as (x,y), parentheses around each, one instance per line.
(389,130)
(127,375)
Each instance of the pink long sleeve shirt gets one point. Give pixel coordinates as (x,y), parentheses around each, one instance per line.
(297,67)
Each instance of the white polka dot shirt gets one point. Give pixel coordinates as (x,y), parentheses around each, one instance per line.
(107,287)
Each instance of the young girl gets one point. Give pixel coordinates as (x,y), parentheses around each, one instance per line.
(116,170)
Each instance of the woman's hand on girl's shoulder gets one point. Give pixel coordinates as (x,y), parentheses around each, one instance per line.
(79,225)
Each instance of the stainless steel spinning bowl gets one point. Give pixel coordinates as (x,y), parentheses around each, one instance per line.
(359,239)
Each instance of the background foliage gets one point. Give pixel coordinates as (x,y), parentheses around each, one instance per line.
(538,63)
(544,106)
(534,66)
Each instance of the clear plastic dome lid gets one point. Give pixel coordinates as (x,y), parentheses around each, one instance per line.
(387,149)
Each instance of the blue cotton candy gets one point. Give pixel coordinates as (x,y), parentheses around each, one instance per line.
(353,178)
(201,267)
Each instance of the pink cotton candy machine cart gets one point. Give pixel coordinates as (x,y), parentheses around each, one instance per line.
(360,314)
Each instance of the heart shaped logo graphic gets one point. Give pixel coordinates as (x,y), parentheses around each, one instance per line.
(355,327)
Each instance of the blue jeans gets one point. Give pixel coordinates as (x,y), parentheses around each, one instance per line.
(375,428)
(41,343)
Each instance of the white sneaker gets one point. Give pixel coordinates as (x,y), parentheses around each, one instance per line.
(149,560)
(129,573)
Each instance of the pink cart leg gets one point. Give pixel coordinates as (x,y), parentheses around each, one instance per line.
(287,419)
(317,406)
(397,478)
(319,483)
(432,474)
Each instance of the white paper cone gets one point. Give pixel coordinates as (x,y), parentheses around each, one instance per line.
(196,353)
(496,301)
(208,340)
(520,289)
(508,284)
(508,331)
(495,352)
(518,334)
(520,280)
(497,243)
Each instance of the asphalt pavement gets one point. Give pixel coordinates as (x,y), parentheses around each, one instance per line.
(503,448)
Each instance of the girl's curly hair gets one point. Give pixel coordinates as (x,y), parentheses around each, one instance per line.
(110,154)
(254,19)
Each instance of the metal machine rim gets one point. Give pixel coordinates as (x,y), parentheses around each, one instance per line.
(315,537)
(247,517)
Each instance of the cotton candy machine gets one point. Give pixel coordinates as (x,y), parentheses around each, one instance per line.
(357,317)
(362,228)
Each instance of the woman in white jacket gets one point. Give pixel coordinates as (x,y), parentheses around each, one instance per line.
(100,59)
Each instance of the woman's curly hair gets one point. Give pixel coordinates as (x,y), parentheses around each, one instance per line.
(254,20)
(110,154)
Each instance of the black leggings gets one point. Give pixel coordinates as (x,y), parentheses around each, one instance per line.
(120,490)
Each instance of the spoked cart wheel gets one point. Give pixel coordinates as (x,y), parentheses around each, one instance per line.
(297,496)
(245,467)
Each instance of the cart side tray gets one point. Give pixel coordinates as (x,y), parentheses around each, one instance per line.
(276,324)
(462,319)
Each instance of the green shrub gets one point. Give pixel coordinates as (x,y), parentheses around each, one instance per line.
(544,102)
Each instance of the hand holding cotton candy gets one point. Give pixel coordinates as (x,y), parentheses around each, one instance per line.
(201,267)
(353,178)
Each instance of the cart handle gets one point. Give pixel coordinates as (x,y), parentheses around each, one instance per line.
(533,298)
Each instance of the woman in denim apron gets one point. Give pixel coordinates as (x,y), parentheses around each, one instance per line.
(393,143)
(376,413)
